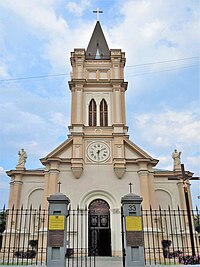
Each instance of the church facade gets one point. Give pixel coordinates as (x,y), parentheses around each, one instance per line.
(98,160)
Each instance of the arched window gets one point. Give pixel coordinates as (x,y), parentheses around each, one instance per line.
(92,113)
(103,113)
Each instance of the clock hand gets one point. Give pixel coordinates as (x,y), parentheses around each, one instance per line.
(98,151)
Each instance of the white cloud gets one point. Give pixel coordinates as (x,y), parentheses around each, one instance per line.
(3,179)
(58,39)
(154,30)
(31,121)
(43,22)
(168,127)
(194,162)
(78,7)
(161,132)
(4,71)
(1,170)
(58,118)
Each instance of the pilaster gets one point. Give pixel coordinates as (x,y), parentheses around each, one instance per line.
(51,174)
(77,88)
(144,184)
(117,105)
(46,187)
(15,187)
(53,181)
(152,193)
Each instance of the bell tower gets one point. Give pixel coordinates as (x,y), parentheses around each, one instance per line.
(98,98)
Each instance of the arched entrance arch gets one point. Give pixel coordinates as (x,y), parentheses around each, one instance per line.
(99,233)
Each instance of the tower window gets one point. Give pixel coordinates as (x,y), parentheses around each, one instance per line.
(92,113)
(103,113)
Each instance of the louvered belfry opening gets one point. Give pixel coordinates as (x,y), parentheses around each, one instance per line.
(103,113)
(92,113)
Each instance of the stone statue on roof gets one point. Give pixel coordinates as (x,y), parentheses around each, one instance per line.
(177,159)
(22,158)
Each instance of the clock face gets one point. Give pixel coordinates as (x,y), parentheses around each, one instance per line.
(98,151)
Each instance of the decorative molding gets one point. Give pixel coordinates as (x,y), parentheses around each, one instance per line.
(77,171)
(98,131)
(119,171)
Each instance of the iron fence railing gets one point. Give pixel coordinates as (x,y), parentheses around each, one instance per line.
(79,252)
(167,236)
(23,237)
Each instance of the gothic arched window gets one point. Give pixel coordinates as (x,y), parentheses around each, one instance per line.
(103,113)
(92,113)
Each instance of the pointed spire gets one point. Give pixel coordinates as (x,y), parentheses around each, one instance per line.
(98,48)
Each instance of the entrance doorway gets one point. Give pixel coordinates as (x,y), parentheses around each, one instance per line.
(99,233)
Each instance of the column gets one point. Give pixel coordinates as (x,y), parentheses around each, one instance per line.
(15,193)
(118,111)
(79,105)
(73,107)
(46,188)
(152,193)
(144,188)
(10,202)
(53,181)
(123,107)
(98,114)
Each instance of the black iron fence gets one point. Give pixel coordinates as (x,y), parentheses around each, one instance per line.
(81,250)
(168,239)
(23,237)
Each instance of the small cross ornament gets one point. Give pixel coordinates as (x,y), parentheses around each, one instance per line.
(130,188)
(59,183)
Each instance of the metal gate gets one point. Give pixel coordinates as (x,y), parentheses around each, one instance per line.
(78,252)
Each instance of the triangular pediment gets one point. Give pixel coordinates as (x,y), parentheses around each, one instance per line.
(132,151)
(64,150)
(98,47)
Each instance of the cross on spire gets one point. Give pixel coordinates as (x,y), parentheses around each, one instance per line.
(97,11)
(130,187)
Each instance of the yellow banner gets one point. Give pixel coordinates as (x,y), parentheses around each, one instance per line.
(133,223)
(56,222)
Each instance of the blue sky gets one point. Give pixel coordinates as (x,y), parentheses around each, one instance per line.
(160,39)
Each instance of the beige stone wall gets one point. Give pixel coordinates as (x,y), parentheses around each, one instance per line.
(31,187)
(99,182)
(168,193)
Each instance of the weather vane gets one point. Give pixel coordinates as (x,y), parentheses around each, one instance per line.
(97,11)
